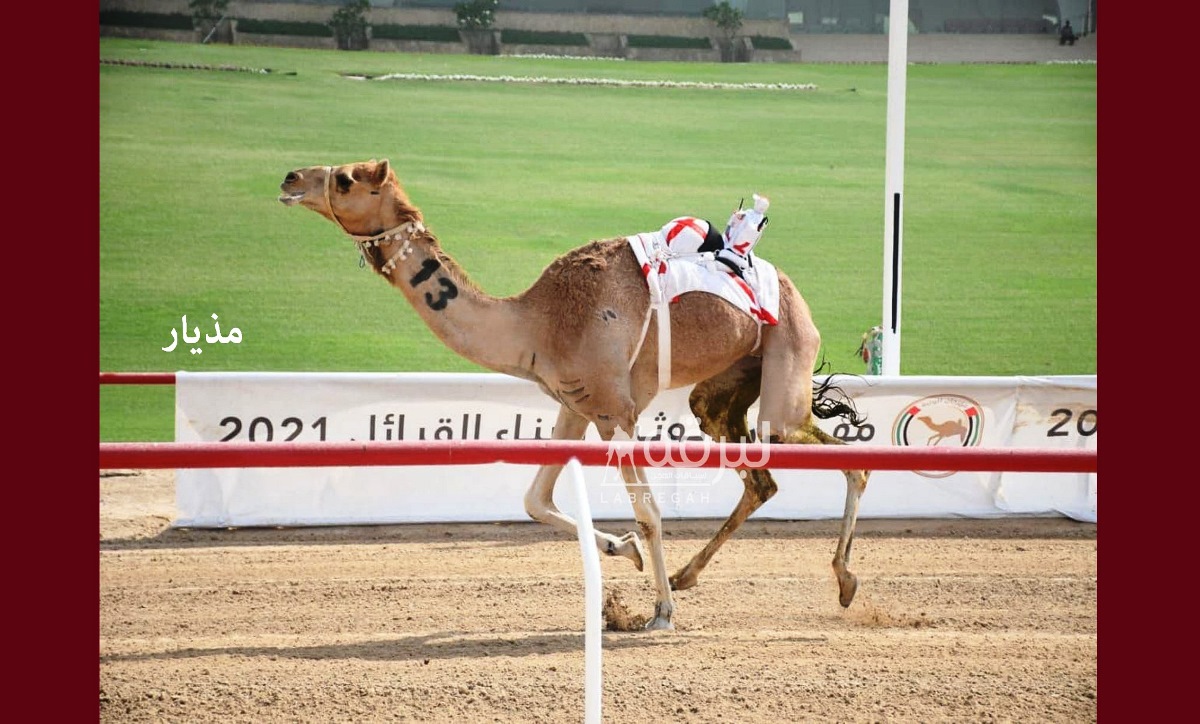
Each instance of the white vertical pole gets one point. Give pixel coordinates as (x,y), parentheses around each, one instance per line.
(592,591)
(894,183)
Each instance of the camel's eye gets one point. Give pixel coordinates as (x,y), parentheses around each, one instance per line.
(344,181)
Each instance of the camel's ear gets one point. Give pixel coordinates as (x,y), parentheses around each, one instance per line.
(381,172)
(344,180)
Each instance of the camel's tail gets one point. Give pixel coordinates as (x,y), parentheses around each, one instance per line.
(829,400)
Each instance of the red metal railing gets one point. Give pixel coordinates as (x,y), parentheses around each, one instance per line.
(556,452)
(137,378)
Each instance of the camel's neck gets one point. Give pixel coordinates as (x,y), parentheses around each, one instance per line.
(479,327)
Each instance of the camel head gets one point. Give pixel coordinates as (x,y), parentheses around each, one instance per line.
(362,198)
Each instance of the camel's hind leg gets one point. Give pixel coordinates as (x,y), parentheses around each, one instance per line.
(856,484)
(786,412)
(539,499)
(720,403)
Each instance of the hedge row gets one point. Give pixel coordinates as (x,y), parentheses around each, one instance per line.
(434,33)
(667,41)
(541,37)
(770,42)
(284,27)
(131,19)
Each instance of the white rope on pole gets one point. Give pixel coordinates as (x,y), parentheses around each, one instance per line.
(893,223)
(592,593)
(214,28)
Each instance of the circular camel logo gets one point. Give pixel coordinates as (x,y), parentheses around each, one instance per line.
(939,420)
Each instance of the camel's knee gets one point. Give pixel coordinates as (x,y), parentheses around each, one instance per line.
(760,484)
(856,480)
(621,424)
(651,529)
(645,507)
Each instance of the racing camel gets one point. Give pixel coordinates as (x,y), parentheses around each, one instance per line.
(577,333)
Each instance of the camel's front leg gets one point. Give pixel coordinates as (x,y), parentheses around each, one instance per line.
(539,499)
(645,509)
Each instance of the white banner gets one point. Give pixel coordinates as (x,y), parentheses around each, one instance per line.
(266,407)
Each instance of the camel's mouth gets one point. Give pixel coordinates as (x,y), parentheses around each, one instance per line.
(291,199)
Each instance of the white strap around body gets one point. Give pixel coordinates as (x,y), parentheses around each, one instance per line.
(660,306)
(662,310)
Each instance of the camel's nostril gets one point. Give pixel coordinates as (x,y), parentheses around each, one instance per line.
(291,177)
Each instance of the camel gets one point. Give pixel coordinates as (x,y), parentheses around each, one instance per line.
(943,430)
(577,334)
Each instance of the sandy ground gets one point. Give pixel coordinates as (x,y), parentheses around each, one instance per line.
(955,620)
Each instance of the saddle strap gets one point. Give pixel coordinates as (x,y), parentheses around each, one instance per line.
(661,308)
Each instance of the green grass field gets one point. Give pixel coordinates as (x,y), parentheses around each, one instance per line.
(999,268)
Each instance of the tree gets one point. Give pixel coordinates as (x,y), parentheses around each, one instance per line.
(728,20)
(349,24)
(475,18)
(726,17)
(476,14)
(207,9)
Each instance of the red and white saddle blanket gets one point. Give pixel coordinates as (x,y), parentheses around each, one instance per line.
(677,259)
(673,266)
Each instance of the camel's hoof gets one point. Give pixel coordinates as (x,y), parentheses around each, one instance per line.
(847,586)
(637,554)
(682,580)
(658,623)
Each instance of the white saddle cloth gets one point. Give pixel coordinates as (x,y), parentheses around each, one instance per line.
(670,274)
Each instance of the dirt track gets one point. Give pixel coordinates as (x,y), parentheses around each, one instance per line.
(955,620)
